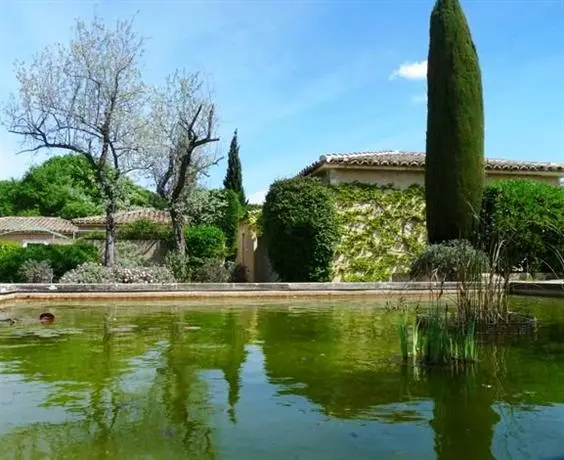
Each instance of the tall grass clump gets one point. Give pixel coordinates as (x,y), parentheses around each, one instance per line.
(436,340)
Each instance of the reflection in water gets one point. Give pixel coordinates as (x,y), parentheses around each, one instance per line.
(463,414)
(268,383)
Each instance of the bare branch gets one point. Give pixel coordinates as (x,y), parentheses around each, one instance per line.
(86,97)
(182,125)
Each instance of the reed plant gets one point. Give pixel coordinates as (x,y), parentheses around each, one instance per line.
(436,340)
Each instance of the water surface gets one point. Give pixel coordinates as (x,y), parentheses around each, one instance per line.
(300,380)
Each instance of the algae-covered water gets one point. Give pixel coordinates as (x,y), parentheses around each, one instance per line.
(300,380)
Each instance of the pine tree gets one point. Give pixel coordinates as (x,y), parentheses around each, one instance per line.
(234,176)
(454,169)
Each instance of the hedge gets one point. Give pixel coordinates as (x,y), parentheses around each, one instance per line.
(527,218)
(143,229)
(205,242)
(61,258)
(300,227)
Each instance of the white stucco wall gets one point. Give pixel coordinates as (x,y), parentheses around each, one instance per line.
(403,178)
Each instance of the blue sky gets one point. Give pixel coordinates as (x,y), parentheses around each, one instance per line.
(302,78)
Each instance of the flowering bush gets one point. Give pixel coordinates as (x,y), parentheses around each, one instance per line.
(90,273)
(143,275)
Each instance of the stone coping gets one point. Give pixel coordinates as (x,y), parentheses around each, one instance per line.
(216,290)
(253,290)
(552,288)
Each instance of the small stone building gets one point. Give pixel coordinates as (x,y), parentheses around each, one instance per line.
(37,230)
(386,227)
(404,169)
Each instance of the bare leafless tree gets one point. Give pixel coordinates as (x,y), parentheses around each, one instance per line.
(86,97)
(182,127)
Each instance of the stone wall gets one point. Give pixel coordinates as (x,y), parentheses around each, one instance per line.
(153,252)
(402,178)
(382,229)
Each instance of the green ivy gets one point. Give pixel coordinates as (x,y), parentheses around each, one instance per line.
(382,230)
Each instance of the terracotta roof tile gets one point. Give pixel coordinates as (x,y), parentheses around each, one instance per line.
(155,215)
(417,160)
(14,224)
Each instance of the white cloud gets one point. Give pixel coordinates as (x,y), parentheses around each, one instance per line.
(411,71)
(258,197)
(419,98)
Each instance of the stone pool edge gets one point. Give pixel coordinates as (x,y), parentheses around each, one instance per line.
(420,289)
(9,292)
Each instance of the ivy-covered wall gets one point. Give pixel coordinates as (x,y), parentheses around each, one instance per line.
(382,230)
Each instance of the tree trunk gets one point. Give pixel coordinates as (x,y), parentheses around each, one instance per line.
(110,247)
(177,220)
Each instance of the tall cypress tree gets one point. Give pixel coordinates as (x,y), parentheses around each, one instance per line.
(454,167)
(234,176)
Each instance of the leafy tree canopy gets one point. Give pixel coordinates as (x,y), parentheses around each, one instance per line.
(65,186)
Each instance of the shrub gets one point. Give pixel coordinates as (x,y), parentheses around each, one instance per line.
(452,261)
(179,265)
(66,257)
(526,218)
(210,271)
(218,208)
(97,235)
(205,242)
(143,229)
(88,273)
(61,258)
(8,246)
(91,273)
(129,254)
(36,272)
(142,275)
(300,228)
(239,273)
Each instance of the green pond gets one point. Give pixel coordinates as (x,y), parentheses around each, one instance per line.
(293,380)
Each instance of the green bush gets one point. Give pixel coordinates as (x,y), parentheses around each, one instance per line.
(205,242)
(218,208)
(37,272)
(456,260)
(239,273)
(129,255)
(210,271)
(61,258)
(7,246)
(179,265)
(143,229)
(525,219)
(97,235)
(301,230)
(88,273)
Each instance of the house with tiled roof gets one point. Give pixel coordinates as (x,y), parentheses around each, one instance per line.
(93,223)
(37,230)
(403,169)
